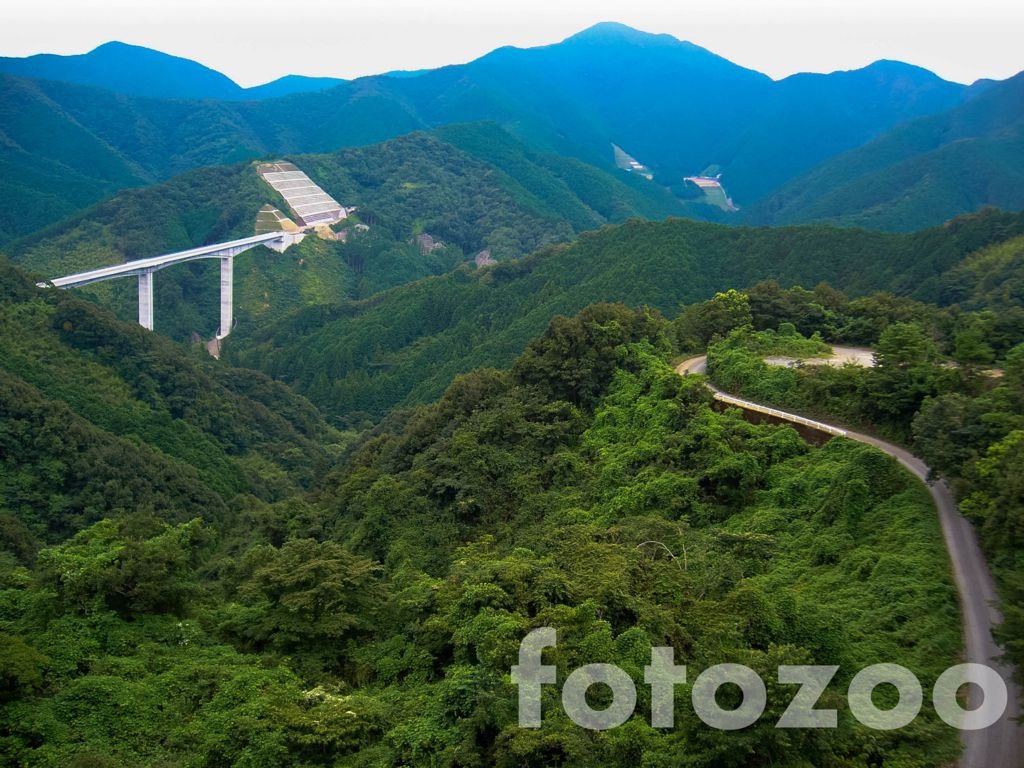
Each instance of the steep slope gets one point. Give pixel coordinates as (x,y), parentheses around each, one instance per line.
(816,116)
(611,83)
(102,419)
(138,71)
(50,165)
(65,146)
(405,345)
(676,107)
(129,69)
(374,622)
(679,108)
(404,188)
(920,173)
(992,279)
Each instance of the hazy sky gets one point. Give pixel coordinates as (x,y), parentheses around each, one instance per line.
(253,41)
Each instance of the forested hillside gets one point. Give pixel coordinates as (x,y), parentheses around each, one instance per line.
(675,106)
(947,383)
(920,173)
(457,414)
(405,187)
(138,71)
(51,167)
(405,346)
(992,278)
(375,622)
(102,420)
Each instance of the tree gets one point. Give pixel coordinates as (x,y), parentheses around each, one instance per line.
(945,434)
(133,566)
(698,325)
(905,372)
(21,668)
(305,596)
(902,346)
(576,358)
(969,344)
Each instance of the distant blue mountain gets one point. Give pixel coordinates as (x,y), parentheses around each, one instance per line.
(817,116)
(405,73)
(920,173)
(138,71)
(290,84)
(677,107)
(128,69)
(674,106)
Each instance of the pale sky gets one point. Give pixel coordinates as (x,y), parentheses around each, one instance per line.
(253,41)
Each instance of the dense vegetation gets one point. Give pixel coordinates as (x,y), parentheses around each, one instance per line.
(948,383)
(918,174)
(102,419)
(975,441)
(198,568)
(49,169)
(404,346)
(375,621)
(405,187)
(604,86)
(991,279)
(919,350)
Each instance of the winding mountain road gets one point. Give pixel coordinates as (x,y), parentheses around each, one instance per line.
(1001,745)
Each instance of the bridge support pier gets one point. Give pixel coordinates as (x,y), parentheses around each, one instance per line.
(143,269)
(227,298)
(146,300)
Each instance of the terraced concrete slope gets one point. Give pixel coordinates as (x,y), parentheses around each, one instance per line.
(309,203)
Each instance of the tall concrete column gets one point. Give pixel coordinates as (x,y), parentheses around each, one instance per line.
(146,300)
(227,299)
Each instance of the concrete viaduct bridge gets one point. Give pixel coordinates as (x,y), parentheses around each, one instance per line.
(144,269)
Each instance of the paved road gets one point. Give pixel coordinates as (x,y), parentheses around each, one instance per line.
(1002,744)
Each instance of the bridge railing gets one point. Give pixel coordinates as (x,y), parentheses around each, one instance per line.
(154,263)
(784,415)
(144,269)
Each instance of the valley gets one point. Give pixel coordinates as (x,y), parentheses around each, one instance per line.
(764,134)
(611,336)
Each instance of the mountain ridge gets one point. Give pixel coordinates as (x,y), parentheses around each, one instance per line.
(138,70)
(472,187)
(674,106)
(403,346)
(924,170)
(126,68)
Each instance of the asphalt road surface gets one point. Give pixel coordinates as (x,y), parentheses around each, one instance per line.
(1001,745)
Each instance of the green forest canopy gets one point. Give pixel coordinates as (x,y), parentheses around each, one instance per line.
(374,620)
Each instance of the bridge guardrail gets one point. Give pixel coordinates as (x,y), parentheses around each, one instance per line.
(784,415)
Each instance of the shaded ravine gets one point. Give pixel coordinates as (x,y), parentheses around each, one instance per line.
(1001,745)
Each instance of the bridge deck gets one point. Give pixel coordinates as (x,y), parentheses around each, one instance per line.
(154,263)
(785,415)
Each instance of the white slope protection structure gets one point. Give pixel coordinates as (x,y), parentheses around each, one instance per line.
(310,204)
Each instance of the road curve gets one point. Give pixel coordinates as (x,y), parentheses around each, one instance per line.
(1001,745)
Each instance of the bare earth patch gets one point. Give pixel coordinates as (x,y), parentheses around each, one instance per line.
(859,356)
